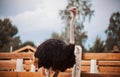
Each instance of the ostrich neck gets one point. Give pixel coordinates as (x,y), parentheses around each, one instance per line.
(72,30)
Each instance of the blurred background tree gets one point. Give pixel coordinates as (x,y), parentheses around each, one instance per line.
(84,11)
(98,46)
(113,32)
(113,36)
(8,36)
(28,43)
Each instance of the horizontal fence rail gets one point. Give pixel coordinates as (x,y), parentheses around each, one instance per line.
(101,56)
(16,55)
(85,56)
(37,74)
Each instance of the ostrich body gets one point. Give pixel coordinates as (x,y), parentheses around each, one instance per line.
(56,55)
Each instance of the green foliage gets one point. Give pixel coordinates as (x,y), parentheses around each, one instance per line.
(7,35)
(113,31)
(98,46)
(56,35)
(28,43)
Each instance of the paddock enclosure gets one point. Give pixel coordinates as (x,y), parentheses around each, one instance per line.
(108,65)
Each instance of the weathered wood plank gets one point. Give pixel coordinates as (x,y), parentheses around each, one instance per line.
(28,62)
(100,75)
(20,74)
(85,56)
(101,56)
(109,69)
(8,74)
(16,55)
(7,64)
(102,69)
(36,74)
(102,63)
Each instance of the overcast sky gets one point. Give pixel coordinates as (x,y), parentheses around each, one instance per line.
(36,20)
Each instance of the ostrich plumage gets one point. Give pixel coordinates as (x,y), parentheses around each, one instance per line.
(55,54)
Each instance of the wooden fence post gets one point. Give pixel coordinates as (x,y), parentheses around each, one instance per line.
(76,72)
(32,69)
(19,65)
(93,66)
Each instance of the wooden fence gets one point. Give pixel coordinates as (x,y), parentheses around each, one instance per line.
(107,62)
(8,61)
(108,65)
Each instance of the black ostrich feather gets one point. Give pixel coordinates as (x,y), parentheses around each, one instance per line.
(55,54)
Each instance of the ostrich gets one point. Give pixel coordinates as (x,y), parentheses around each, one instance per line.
(55,54)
